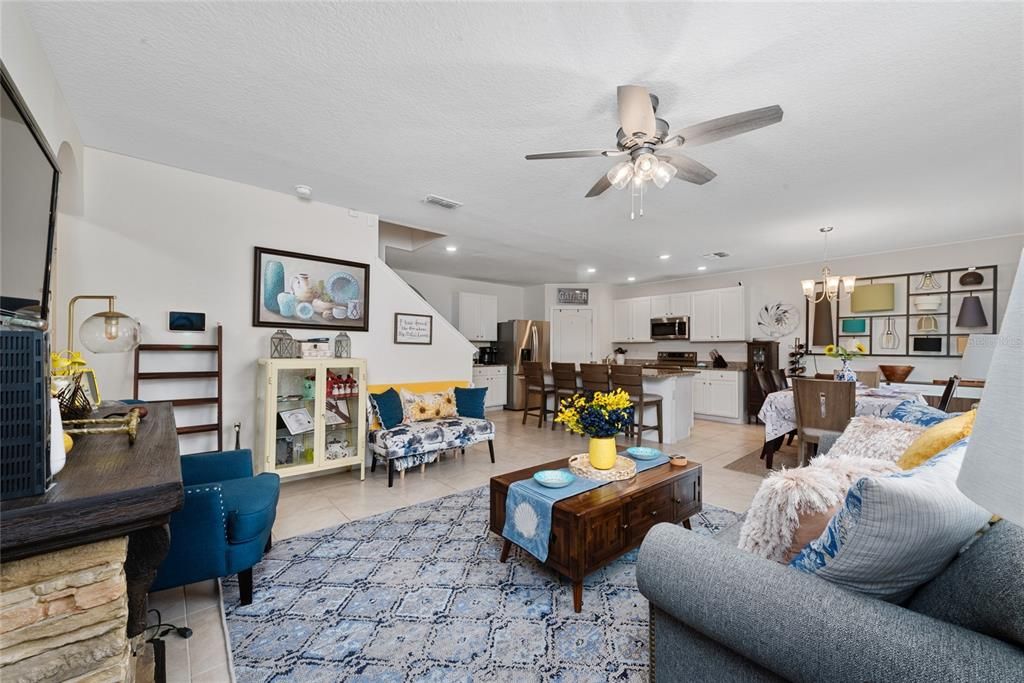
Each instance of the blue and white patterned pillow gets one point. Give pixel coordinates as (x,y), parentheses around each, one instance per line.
(918,414)
(896,532)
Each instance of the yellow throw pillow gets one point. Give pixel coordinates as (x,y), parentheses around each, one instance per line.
(430,406)
(936,439)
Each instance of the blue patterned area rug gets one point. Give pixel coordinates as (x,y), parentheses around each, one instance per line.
(418,594)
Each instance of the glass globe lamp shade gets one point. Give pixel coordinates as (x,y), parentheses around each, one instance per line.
(109,332)
(620,174)
(663,174)
(849,283)
(645,166)
(808,287)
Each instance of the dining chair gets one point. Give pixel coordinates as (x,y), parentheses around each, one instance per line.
(535,387)
(822,407)
(565,384)
(780,380)
(594,377)
(947,394)
(825,375)
(767,383)
(630,378)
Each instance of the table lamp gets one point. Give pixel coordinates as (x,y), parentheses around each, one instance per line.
(992,474)
(104,332)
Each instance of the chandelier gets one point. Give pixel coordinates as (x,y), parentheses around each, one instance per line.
(830,283)
(636,173)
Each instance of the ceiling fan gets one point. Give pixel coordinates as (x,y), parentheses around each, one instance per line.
(654,153)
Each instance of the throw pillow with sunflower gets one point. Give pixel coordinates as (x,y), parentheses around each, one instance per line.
(428,406)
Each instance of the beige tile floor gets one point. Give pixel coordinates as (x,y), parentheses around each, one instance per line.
(324,501)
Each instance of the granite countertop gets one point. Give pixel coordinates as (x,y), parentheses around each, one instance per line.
(660,373)
(733,366)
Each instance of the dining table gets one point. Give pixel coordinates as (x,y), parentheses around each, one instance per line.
(778,413)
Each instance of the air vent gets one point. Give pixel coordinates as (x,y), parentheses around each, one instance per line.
(442,202)
(716,255)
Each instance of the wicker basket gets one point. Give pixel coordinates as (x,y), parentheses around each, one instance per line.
(624,468)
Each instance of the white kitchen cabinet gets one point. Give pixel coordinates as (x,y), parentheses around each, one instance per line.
(495,379)
(478,316)
(670,305)
(719,394)
(631,320)
(718,315)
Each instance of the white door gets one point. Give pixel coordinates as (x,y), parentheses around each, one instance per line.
(572,335)
(679,304)
(699,395)
(704,319)
(661,306)
(721,398)
(488,317)
(732,315)
(621,321)
(640,312)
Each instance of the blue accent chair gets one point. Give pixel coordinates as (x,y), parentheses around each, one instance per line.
(224,526)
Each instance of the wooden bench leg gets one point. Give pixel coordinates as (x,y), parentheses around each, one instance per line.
(490,447)
(686,523)
(505,548)
(373,463)
(245,586)
(577,596)
(391,473)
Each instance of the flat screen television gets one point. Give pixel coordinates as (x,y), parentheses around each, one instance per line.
(29,175)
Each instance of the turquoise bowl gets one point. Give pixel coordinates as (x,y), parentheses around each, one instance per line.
(643,453)
(554,479)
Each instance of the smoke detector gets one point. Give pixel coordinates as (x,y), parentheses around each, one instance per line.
(716,255)
(442,202)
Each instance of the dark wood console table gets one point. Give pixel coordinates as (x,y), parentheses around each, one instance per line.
(106,490)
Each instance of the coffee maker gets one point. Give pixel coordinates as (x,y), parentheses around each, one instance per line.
(488,355)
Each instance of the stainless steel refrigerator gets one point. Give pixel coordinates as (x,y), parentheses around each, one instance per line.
(518,341)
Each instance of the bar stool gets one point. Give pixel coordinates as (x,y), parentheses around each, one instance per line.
(565,384)
(630,378)
(535,386)
(595,377)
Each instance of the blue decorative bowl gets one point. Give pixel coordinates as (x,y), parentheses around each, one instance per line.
(554,479)
(643,453)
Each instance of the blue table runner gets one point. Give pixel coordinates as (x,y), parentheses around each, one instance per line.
(528,508)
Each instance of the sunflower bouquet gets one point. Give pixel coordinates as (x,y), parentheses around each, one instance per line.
(843,353)
(602,415)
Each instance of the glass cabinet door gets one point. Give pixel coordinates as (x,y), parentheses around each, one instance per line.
(342,385)
(295,442)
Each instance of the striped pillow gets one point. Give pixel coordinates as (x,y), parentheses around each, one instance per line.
(896,532)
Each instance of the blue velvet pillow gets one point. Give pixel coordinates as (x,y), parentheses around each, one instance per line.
(388,406)
(918,414)
(470,402)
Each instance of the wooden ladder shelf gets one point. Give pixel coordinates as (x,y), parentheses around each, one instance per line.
(217,374)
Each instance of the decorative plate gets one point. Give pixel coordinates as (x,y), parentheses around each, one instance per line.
(554,479)
(624,468)
(342,287)
(643,453)
(778,320)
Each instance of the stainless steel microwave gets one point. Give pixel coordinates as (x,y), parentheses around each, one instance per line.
(670,328)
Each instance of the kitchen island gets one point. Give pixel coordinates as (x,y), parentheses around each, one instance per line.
(675,386)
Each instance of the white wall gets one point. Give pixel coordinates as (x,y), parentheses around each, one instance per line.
(771,285)
(162,238)
(442,292)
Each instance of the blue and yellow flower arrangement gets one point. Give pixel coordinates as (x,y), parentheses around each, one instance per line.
(602,415)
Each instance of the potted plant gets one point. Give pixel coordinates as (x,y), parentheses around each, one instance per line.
(846,373)
(600,416)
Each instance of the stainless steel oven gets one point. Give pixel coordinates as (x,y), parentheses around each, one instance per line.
(677,327)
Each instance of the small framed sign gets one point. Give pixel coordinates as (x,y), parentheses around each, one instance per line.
(414,328)
(573,296)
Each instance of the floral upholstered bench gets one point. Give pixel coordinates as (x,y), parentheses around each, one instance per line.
(415,429)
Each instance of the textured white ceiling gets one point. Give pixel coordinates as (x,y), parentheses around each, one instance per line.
(903,122)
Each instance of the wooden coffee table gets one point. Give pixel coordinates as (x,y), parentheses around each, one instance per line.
(594,528)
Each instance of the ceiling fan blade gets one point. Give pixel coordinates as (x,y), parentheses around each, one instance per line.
(600,186)
(689,169)
(728,126)
(578,153)
(636,113)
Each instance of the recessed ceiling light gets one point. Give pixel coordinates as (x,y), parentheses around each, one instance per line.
(631,278)
(451,248)
(665,257)
(702,267)
(591,270)
(304,191)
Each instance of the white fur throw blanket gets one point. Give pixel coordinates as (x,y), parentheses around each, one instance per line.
(875,437)
(789,495)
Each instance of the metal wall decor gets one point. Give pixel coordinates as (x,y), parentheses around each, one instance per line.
(778,319)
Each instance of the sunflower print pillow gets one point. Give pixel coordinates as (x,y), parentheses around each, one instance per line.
(429,406)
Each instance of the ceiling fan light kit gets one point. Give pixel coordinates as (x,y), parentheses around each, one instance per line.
(654,151)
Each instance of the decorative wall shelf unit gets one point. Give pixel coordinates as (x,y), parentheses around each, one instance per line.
(917,313)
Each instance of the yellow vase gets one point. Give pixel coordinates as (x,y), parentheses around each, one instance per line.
(602,452)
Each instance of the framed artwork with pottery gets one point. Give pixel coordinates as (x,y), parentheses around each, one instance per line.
(314,292)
